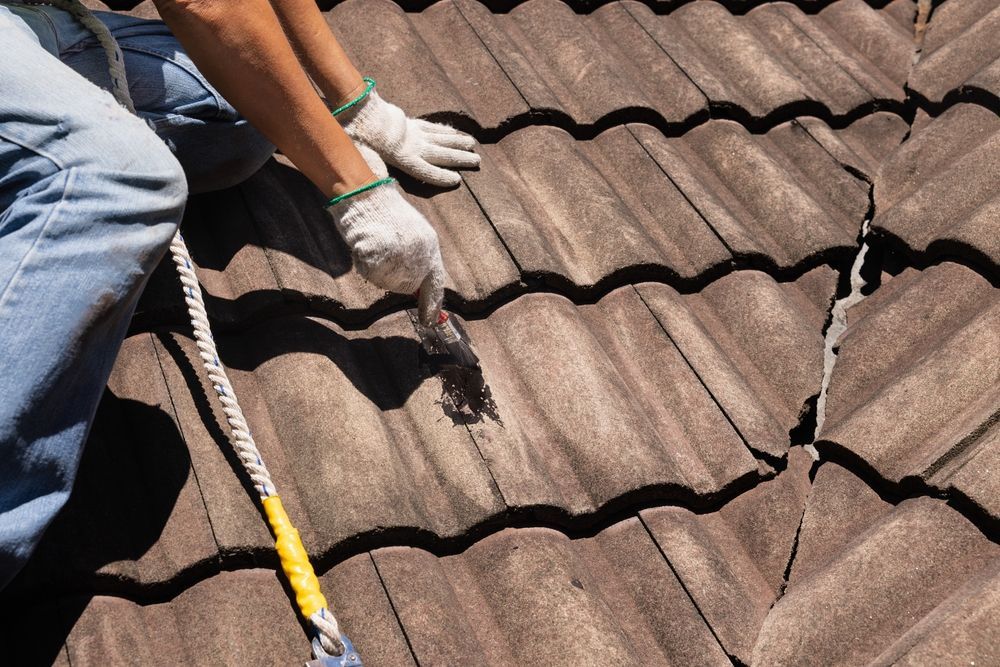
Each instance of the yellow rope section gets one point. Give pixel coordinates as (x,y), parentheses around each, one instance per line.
(294,559)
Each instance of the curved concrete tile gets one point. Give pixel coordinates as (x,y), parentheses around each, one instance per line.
(896,584)
(939,192)
(961,52)
(925,408)
(588,408)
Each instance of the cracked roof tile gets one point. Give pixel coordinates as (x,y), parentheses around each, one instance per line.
(613,395)
(924,408)
(731,562)
(566,601)
(897,583)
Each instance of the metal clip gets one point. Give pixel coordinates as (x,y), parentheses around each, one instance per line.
(349,658)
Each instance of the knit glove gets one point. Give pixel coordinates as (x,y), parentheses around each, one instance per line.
(420,148)
(392,244)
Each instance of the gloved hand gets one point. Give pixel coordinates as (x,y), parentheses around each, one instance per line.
(392,244)
(418,147)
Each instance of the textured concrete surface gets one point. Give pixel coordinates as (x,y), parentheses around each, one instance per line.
(670,200)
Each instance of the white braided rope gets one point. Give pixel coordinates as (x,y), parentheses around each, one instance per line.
(242,439)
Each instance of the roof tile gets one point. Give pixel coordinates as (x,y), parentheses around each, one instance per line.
(776,56)
(918,560)
(732,562)
(924,407)
(841,507)
(575,417)
(755,344)
(939,192)
(534,596)
(630,203)
(580,209)
(491,68)
(564,600)
(960,51)
(448,66)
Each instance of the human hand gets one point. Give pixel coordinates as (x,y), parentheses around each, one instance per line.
(392,244)
(420,148)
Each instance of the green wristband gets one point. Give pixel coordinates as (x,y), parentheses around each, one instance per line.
(364,188)
(344,107)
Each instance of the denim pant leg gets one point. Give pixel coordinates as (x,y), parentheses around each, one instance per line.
(217,147)
(89,200)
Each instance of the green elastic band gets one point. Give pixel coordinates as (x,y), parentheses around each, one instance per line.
(364,188)
(344,107)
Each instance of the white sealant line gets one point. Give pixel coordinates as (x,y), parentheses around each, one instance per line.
(838,324)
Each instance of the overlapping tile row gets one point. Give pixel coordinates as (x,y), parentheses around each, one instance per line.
(872,583)
(939,192)
(587,6)
(575,215)
(586,407)
(663,589)
(464,61)
(961,52)
(923,408)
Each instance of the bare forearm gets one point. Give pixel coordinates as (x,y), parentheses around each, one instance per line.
(247,57)
(318,50)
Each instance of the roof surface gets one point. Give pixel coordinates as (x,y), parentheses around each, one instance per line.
(664,265)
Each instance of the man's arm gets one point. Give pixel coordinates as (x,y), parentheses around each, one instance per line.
(319,52)
(428,151)
(245,54)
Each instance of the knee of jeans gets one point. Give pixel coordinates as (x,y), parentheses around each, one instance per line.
(230,155)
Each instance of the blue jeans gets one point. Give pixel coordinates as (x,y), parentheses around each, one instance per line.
(90,197)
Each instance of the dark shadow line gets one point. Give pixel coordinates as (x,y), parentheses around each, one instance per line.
(962,95)
(938,252)
(671,128)
(736,7)
(908,487)
(555,518)
(274,304)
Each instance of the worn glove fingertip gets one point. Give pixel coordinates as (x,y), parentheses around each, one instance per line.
(434,175)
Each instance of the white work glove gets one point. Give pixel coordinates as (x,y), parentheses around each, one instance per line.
(392,244)
(418,147)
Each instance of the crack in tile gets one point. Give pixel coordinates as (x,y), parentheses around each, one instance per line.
(836,328)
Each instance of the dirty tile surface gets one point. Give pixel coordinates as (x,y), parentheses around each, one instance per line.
(961,53)
(671,198)
(923,410)
(938,194)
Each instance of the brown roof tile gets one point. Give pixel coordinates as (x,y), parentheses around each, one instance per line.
(925,407)
(492,67)
(574,214)
(618,593)
(732,562)
(939,192)
(961,51)
(589,405)
(754,345)
(775,56)
(896,584)
(612,396)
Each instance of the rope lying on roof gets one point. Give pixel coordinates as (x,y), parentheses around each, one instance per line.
(292,554)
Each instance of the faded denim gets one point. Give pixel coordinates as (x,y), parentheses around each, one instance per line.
(90,197)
